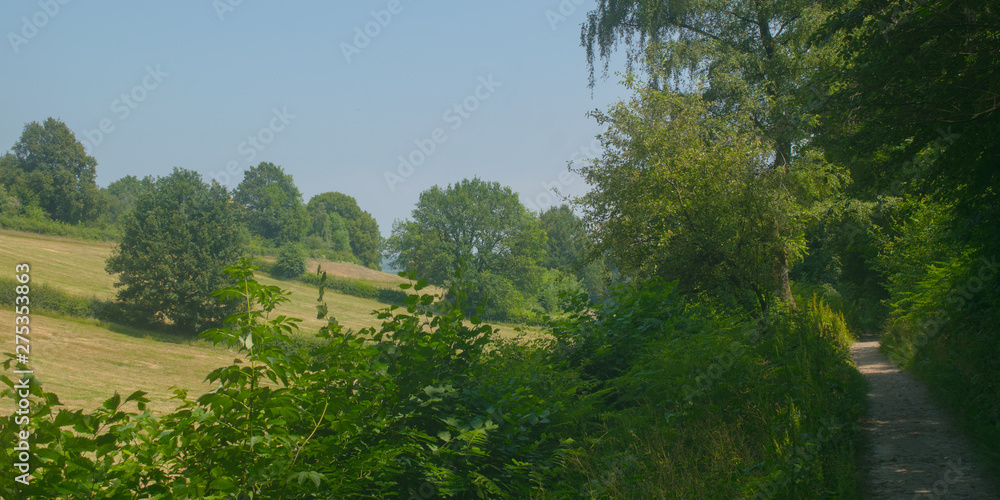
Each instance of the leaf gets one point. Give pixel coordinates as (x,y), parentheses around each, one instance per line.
(113,402)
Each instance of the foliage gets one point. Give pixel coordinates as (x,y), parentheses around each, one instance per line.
(753,62)
(482,228)
(122,195)
(53,166)
(46,297)
(40,224)
(328,234)
(701,405)
(683,194)
(175,244)
(569,248)
(273,204)
(362,231)
(291,262)
(419,406)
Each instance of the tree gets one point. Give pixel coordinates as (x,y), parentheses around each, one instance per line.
(123,193)
(482,225)
(915,110)
(175,245)
(752,59)
(569,248)
(274,205)
(685,194)
(291,261)
(362,229)
(54,166)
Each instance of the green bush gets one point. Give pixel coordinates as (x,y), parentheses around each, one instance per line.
(46,297)
(291,261)
(46,226)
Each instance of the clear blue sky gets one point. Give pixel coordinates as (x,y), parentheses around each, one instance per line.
(197,85)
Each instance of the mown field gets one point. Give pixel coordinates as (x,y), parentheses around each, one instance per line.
(85,361)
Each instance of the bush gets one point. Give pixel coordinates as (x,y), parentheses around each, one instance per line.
(291,261)
(46,297)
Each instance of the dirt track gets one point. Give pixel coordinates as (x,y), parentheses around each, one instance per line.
(915,451)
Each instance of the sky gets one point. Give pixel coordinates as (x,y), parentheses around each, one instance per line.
(378,99)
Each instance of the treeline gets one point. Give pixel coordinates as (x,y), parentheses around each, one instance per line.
(48,185)
(515,264)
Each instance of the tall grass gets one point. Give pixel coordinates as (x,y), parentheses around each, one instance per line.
(734,413)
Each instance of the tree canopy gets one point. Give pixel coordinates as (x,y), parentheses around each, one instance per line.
(175,245)
(362,230)
(480,224)
(55,168)
(273,204)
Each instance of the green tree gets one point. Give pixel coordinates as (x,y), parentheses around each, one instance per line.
(291,261)
(362,230)
(54,166)
(747,59)
(481,224)
(570,249)
(175,245)
(274,205)
(122,195)
(683,193)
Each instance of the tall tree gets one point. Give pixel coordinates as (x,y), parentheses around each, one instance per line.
(175,244)
(684,193)
(362,229)
(915,111)
(755,59)
(55,167)
(481,224)
(274,205)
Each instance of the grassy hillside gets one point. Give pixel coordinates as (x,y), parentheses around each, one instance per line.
(85,363)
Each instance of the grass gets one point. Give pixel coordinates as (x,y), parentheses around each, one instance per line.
(75,266)
(85,362)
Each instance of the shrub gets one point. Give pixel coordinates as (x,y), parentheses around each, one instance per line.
(291,261)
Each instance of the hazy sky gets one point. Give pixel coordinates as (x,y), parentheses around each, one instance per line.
(460,89)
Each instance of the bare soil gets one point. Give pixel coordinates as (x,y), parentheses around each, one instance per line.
(915,452)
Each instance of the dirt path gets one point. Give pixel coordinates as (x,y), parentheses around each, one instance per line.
(915,453)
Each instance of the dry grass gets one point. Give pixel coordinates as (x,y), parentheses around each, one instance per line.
(74,266)
(85,363)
